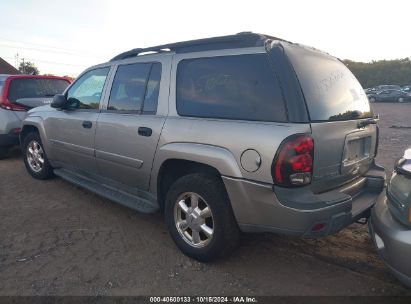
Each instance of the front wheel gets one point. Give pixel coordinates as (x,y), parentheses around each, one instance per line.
(199,217)
(35,157)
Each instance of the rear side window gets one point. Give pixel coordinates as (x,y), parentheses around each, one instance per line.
(35,88)
(240,87)
(136,88)
(331,91)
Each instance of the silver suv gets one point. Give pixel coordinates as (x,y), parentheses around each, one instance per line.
(245,132)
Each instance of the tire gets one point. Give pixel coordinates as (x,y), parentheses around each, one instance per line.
(372,99)
(4,152)
(210,191)
(36,162)
(401,99)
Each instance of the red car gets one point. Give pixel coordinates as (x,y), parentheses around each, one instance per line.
(18,94)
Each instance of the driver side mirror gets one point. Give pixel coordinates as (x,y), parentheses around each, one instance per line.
(59,101)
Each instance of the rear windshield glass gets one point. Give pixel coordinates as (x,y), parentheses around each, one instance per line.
(331,91)
(240,87)
(35,88)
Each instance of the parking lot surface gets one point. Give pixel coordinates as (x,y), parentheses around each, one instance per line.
(57,239)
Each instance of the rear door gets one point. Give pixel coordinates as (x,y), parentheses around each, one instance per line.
(128,130)
(344,141)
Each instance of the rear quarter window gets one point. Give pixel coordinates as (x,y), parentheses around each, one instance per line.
(242,87)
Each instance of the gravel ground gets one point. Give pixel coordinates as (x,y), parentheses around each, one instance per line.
(57,239)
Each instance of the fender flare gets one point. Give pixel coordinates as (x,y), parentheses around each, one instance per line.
(217,157)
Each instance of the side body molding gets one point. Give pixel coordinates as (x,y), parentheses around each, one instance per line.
(214,156)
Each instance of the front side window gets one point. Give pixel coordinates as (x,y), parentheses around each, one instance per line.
(86,92)
(241,87)
(135,88)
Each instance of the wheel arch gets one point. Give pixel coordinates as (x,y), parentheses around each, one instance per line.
(33,124)
(178,159)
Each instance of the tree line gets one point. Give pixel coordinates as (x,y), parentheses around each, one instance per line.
(381,72)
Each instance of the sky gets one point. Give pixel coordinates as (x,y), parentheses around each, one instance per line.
(66,37)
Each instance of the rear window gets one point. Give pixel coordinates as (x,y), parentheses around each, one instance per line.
(35,88)
(240,87)
(330,89)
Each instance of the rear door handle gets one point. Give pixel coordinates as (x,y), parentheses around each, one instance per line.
(144,131)
(87,124)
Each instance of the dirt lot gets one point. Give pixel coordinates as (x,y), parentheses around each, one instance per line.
(57,239)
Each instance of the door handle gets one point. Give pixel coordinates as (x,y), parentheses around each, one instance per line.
(87,124)
(144,131)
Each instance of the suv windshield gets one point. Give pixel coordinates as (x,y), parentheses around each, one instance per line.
(35,88)
(331,91)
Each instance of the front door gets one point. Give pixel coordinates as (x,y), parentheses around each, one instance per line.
(71,132)
(128,130)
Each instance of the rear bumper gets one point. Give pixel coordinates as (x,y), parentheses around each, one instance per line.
(392,240)
(258,208)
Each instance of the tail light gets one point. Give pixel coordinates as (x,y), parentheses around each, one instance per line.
(293,164)
(7,105)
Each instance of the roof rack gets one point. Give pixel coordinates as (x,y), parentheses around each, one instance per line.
(240,40)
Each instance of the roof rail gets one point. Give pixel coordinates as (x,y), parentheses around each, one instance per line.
(240,40)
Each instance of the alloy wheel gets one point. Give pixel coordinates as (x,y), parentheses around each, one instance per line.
(194,219)
(35,156)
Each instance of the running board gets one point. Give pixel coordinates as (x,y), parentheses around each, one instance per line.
(129,200)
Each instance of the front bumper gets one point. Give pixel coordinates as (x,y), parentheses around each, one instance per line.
(260,208)
(392,240)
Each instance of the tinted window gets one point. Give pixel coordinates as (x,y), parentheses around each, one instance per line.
(35,88)
(135,87)
(86,92)
(330,89)
(129,85)
(1,87)
(232,87)
(153,88)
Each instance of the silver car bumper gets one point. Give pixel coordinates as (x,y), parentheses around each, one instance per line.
(260,208)
(392,240)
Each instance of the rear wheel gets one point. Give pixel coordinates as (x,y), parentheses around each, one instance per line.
(35,157)
(199,217)
(4,151)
